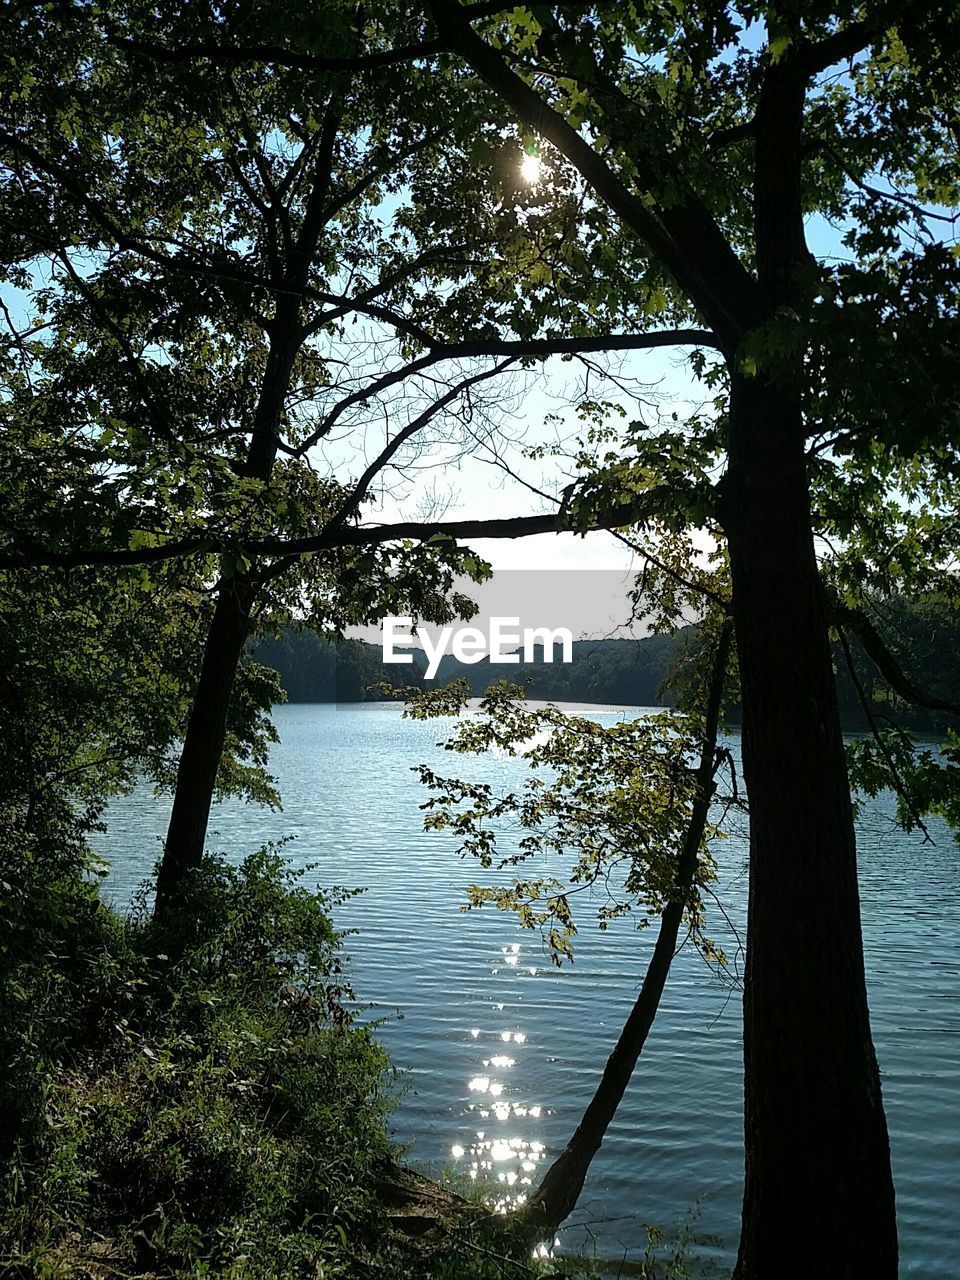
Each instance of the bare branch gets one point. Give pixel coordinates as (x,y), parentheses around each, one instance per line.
(535,348)
(352,502)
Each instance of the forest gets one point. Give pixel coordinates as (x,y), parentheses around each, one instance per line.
(314,316)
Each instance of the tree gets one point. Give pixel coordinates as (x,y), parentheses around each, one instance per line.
(97,669)
(630,805)
(207,274)
(665,113)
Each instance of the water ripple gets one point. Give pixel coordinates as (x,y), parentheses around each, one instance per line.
(502,1051)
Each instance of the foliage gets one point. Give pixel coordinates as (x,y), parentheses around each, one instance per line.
(194,1101)
(608,806)
(196,1098)
(195,263)
(97,672)
(925,780)
(616,799)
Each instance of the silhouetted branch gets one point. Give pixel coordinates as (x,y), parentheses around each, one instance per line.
(352,536)
(535,348)
(881,657)
(692,248)
(814,57)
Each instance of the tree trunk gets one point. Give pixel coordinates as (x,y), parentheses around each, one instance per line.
(223,649)
(206,730)
(557,1195)
(818,1196)
(205,736)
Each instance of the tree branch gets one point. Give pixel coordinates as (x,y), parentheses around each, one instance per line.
(884,661)
(155,414)
(327,540)
(353,500)
(812,58)
(717,283)
(280,56)
(189,265)
(536,348)
(732,135)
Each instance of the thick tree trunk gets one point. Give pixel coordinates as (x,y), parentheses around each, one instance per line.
(557,1195)
(205,736)
(818,1198)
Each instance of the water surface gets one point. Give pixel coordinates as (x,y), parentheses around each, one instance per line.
(501,1051)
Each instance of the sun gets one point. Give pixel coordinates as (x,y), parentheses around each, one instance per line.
(531,169)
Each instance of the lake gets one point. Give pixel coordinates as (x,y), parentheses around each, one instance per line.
(501,1051)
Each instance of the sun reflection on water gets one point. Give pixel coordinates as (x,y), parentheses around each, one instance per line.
(506,1159)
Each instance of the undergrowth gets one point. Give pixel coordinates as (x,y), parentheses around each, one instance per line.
(189,1098)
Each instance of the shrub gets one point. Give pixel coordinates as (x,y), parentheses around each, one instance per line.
(185,1098)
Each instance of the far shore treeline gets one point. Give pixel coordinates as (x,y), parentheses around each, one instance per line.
(616,671)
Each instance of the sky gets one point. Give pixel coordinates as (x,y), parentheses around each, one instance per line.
(469,487)
(472,486)
(556,580)
(476,490)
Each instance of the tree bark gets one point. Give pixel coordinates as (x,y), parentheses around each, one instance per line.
(556,1196)
(204,739)
(818,1196)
